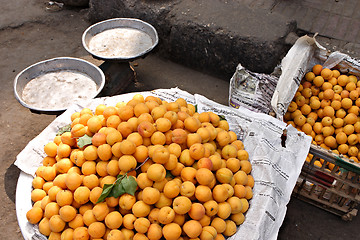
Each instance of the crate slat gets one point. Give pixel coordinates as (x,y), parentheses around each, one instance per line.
(335,190)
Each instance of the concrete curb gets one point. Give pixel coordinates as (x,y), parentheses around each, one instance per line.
(209,35)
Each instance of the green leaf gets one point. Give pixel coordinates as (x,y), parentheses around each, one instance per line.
(169,175)
(117,190)
(123,184)
(105,192)
(84,140)
(196,108)
(222,117)
(66,128)
(129,183)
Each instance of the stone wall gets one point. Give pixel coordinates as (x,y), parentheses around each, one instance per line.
(209,35)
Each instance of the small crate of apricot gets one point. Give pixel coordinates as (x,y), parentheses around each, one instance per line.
(326,107)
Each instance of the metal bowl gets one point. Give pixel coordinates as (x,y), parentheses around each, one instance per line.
(57,65)
(117,23)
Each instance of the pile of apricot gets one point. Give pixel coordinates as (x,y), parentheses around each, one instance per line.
(326,107)
(193,175)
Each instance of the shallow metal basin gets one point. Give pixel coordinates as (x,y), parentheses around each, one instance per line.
(57,65)
(120,23)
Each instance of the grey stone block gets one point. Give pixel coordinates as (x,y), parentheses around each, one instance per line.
(209,35)
(75,3)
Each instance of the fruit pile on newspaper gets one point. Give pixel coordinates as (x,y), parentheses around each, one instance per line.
(145,169)
(326,107)
(158,165)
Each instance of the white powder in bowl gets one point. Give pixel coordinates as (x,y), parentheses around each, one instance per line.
(120,43)
(58,90)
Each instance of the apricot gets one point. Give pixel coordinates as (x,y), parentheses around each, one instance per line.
(326,73)
(197,151)
(350,118)
(292,107)
(343,80)
(67,213)
(192,228)
(353,152)
(309,76)
(357,127)
(223,138)
(187,189)
(204,176)
(224,210)
(150,195)
(315,104)
(352,139)
(182,205)
(197,211)
(220,193)
(34,215)
(230,228)
(171,231)
(113,137)
(67,234)
(208,232)
(56,224)
(204,133)
(156,172)
(141,225)
(171,163)
(185,158)
(82,194)
(96,229)
(239,191)
(141,209)
(318,81)
(300,120)
(64,197)
(316,69)
(158,138)
(349,129)
(204,163)
(203,193)
(81,233)
(354,109)
(171,189)
(179,136)
(166,215)
(219,224)
(346,103)
(224,175)
(115,234)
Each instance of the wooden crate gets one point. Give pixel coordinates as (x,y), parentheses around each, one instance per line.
(336,190)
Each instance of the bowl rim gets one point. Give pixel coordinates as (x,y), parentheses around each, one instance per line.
(23,103)
(119,58)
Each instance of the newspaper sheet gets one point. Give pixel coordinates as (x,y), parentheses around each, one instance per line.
(251,90)
(276,163)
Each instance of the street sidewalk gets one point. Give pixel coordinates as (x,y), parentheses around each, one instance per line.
(30,33)
(337,22)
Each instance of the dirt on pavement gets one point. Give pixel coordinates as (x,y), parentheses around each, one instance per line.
(29,33)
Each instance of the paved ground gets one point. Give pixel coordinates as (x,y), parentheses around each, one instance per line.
(337,22)
(30,33)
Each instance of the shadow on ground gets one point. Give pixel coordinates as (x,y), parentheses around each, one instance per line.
(10,181)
